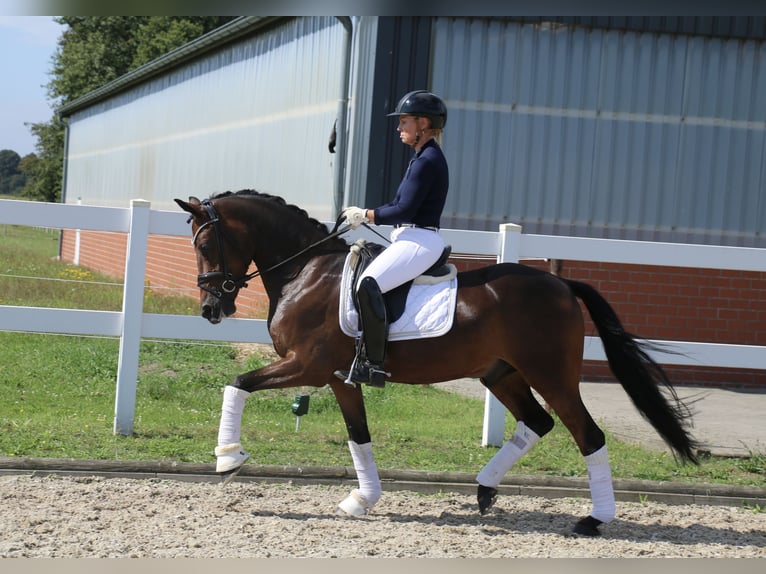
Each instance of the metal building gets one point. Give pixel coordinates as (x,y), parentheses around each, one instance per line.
(636,128)
(250,105)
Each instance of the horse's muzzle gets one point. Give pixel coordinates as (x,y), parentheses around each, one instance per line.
(212,313)
(215,310)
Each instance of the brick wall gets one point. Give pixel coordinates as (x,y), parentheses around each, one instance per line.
(654,302)
(681,304)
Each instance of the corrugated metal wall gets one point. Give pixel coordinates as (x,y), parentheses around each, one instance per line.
(254,114)
(601,132)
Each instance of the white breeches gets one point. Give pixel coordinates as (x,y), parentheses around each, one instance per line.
(412,251)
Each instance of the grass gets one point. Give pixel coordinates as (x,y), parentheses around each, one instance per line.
(58,398)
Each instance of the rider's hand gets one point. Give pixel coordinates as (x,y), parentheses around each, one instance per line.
(355,216)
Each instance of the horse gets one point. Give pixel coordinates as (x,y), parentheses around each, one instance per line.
(516,328)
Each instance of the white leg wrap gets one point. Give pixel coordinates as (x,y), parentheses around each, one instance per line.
(369,491)
(522,440)
(230,457)
(600,481)
(231,415)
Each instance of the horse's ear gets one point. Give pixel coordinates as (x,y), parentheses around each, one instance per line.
(193,206)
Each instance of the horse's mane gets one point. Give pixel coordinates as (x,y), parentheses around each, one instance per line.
(278,201)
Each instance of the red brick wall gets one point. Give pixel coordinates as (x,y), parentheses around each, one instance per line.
(655,302)
(710,305)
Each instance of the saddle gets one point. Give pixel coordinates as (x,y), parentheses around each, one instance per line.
(396,299)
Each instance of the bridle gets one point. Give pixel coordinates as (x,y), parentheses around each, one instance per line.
(229,283)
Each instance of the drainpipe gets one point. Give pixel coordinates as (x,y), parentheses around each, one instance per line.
(64,174)
(341,120)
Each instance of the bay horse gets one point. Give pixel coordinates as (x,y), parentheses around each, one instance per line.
(516,328)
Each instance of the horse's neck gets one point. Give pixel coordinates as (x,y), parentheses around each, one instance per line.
(324,270)
(271,240)
(279,236)
(271,252)
(280,255)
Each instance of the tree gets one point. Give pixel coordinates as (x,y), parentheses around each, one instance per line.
(11,179)
(159,35)
(93,51)
(9,162)
(46,170)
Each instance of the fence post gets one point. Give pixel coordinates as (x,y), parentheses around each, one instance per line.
(76,258)
(493,431)
(132,310)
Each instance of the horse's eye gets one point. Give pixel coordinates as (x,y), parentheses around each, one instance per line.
(204,248)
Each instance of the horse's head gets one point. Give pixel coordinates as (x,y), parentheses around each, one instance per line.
(221,264)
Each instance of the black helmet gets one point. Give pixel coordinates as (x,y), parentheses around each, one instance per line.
(423,104)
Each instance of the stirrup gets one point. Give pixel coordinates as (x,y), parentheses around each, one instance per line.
(364,372)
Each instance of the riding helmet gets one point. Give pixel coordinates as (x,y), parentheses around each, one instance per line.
(422,104)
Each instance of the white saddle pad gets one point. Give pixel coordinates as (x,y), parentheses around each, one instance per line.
(429,311)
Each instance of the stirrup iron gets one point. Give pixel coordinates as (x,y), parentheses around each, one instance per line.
(362,371)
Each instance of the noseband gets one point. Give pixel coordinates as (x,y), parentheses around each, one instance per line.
(229,284)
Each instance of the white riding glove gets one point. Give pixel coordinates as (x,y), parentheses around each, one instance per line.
(355,216)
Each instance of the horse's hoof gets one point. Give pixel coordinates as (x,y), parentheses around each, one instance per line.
(228,476)
(353,505)
(587,526)
(231,458)
(486,496)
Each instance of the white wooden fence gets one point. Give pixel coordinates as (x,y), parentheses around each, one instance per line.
(508,244)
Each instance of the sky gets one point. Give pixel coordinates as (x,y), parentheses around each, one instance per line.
(27,44)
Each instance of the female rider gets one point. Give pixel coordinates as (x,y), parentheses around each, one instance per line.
(415,213)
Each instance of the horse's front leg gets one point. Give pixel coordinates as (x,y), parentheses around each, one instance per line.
(230,456)
(362,499)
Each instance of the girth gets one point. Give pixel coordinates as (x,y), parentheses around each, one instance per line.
(395,299)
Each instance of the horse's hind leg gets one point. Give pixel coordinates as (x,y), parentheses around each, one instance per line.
(532,423)
(592,444)
(513,391)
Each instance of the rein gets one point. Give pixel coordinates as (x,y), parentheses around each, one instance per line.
(341,217)
(229,283)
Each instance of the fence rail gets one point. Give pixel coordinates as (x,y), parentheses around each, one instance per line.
(508,244)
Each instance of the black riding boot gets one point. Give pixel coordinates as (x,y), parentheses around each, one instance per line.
(371,352)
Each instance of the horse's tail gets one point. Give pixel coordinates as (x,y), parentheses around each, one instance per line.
(640,376)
